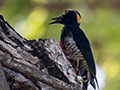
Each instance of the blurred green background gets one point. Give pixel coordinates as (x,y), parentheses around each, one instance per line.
(100,22)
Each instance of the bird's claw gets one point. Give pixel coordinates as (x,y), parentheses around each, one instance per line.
(81,79)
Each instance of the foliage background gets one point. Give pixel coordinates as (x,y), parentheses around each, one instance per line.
(100,22)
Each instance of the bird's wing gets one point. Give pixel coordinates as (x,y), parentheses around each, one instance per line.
(84,46)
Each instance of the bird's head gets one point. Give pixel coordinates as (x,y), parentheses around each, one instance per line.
(69,17)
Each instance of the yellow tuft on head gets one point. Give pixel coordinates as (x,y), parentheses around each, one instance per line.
(78,18)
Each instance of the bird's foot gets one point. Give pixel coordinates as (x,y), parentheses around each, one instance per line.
(81,79)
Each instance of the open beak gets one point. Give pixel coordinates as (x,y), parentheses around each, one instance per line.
(57,20)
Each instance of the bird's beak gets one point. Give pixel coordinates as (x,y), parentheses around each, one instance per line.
(57,20)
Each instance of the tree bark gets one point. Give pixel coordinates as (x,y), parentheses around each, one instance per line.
(3,82)
(33,65)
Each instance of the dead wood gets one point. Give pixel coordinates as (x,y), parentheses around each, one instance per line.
(33,65)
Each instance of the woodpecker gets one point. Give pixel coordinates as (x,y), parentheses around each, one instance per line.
(76,47)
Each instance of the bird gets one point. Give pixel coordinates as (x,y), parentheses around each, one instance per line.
(76,47)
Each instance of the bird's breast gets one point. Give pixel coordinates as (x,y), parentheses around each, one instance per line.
(71,48)
(74,53)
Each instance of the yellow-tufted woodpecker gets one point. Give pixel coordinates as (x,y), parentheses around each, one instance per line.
(76,47)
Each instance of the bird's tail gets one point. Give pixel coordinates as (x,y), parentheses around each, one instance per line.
(92,82)
(97,82)
(85,85)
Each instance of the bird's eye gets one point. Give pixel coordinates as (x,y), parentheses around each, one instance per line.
(66,11)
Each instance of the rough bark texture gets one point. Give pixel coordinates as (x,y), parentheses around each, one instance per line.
(3,82)
(33,65)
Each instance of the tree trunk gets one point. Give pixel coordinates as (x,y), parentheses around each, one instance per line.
(33,65)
